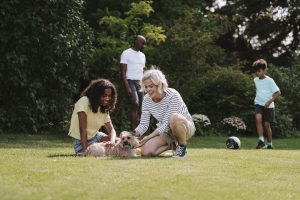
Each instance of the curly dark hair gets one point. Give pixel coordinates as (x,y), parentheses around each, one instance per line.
(95,90)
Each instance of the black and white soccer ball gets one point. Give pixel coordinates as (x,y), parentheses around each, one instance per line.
(233,143)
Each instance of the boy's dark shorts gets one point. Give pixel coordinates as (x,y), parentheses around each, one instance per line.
(268,114)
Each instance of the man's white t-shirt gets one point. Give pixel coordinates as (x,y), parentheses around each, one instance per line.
(265,88)
(135,61)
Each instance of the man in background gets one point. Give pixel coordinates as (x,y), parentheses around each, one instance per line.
(132,65)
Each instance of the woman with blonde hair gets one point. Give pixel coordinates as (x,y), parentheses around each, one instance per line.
(175,124)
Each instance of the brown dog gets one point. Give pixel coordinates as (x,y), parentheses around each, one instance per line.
(123,148)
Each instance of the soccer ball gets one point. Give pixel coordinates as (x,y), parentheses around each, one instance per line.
(233,143)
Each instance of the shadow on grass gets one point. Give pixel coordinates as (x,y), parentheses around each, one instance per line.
(165,155)
(62,155)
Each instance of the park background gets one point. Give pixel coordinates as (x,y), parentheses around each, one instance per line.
(51,49)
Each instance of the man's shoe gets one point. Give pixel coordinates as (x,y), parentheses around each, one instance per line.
(181,151)
(260,145)
(269,147)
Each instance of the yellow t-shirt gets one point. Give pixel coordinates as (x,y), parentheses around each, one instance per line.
(94,120)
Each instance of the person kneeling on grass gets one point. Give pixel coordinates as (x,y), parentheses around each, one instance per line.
(175,124)
(91,112)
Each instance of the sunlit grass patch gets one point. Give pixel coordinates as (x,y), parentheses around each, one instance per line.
(44,167)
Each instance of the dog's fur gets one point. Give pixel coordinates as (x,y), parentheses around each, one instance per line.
(125,147)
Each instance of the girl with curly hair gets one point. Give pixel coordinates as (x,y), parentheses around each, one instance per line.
(91,112)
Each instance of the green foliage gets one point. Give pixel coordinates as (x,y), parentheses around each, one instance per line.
(224,93)
(142,8)
(287,106)
(115,35)
(44,49)
(133,24)
(154,34)
(189,51)
(202,124)
(266,26)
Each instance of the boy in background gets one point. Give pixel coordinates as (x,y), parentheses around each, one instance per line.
(266,93)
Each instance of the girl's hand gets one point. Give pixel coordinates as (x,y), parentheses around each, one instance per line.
(109,144)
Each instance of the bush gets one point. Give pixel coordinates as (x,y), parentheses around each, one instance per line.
(44,47)
(225,92)
(287,106)
(283,117)
(233,126)
(202,123)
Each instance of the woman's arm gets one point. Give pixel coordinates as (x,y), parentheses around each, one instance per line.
(148,137)
(82,127)
(145,120)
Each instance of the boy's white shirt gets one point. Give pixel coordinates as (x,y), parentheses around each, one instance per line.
(265,89)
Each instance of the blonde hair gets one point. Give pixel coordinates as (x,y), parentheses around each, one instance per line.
(157,78)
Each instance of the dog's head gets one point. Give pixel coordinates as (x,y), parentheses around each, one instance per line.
(128,141)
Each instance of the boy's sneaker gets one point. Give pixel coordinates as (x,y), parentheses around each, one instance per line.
(181,151)
(260,145)
(269,147)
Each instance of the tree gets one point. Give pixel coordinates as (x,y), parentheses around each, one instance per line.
(44,47)
(190,50)
(115,34)
(268,29)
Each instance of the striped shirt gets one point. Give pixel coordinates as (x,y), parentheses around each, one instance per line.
(161,111)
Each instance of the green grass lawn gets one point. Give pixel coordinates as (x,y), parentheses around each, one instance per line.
(44,167)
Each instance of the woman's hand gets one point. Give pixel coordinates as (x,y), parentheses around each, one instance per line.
(148,137)
(134,133)
(144,140)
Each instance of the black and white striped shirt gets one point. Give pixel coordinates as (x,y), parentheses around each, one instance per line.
(161,111)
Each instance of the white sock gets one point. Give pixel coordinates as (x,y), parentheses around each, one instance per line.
(261,138)
(270,143)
